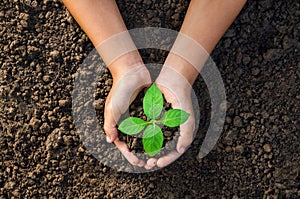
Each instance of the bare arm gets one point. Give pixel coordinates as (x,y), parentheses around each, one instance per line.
(101,19)
(205,22)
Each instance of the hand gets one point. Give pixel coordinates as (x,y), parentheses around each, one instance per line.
(124,90)
(177,91)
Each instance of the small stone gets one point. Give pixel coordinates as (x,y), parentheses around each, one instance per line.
(31,49)
(228,149)
(255,71)
(48,14)
(68,140)
(46,78)
(107,88)
(54,53)
(147,2)
(237,121)
(272,54)
(235,197)
(45,128)
(108,82)
(24,23)
(151,186)
(35,123)
(152,56)
(152,178)
(246,60)
(34,4)
(228,120)
(285,118)
(267,148)
(33,139)
(139,108)
(9,185)
(239,148)
(176,17)
(134,143)
(99,104)
(168,133)
(80,150)
(239,57)
(70,19)
(63,103)
(247,115)
(230,33)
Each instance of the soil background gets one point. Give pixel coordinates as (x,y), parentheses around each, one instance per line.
(257,156)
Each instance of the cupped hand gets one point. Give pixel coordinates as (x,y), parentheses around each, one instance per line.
(124,90)
(177,91)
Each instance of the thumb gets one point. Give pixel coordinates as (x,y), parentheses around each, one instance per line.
(110,124)
(187,134)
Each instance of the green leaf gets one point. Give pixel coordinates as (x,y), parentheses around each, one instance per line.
(132,125)
(152,139)
(174,117)
(153,102)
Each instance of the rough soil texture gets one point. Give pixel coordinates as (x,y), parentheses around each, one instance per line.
(257,156)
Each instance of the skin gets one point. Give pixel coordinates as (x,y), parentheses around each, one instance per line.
(205,22)
(92,16)
(203,18)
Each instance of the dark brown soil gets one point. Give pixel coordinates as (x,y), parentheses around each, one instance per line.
(257,156)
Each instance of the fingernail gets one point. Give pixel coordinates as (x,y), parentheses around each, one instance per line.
(181,150)
(108,139)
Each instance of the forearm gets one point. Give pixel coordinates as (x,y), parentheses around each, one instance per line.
(100,20)
(205,22)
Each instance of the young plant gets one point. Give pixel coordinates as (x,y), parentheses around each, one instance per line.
(152,134)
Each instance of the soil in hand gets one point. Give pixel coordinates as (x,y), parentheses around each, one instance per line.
(134,142)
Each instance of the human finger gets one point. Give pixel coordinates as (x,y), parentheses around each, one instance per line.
(132,159)
(167,159)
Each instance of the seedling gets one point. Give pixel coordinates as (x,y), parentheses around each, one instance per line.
(152,134)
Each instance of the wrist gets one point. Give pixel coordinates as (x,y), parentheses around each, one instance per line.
(171,78)
(182,67)
(126,63)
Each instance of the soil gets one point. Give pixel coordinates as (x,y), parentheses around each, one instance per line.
(257,156)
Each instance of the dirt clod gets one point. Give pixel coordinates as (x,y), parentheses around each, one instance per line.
(267,148)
